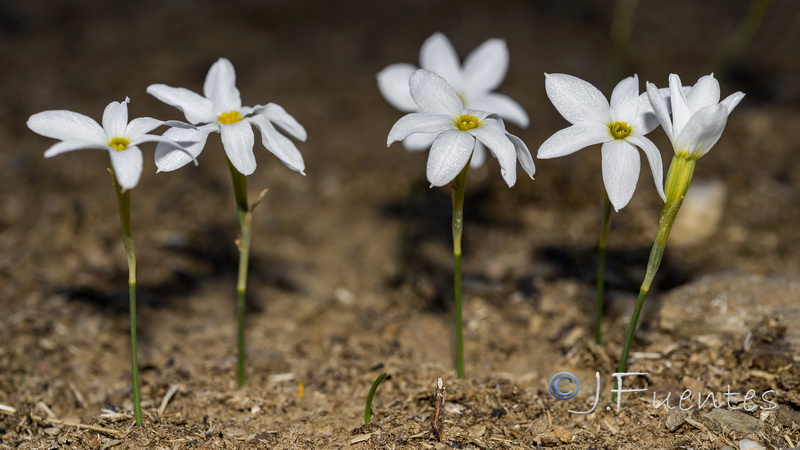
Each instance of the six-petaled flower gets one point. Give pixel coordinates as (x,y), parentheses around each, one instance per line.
(483,71)
(220,110)
(120,137)
(619,125)
(456,130)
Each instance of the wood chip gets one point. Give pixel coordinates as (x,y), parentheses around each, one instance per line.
(360,438)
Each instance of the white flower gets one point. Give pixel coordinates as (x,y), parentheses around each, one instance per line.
(483,71)
(620,126)
(698,117)
(221,111)
(456,129)
(117,135)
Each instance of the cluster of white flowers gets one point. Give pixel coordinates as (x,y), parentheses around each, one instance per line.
(219,110)
(453,110)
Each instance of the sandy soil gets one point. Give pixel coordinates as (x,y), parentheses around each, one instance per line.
(327,313)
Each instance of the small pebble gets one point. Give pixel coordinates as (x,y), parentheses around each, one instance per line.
(675,418)
(747,444)
(700,214)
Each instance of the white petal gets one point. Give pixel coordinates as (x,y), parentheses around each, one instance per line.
(277,115)
(437,55)
(501,105)
(621,167)
(485,68)
(704,93)
(140,126)
(433,95)
(680,107)
(419,142)
(732,101)
(68,146)
(66,126)
(449,154)
(577,100)
(278,144)
(478,156)
(646,119)
(492,135)
(127,166)
(167,142)
(220,87)
(702,131)
(419,123)
(653,158)
(197,108)
(169,158)
(571,139)
(238,140)
(625,100)
(393,84)
(115,119)
(660,109)
(523,155)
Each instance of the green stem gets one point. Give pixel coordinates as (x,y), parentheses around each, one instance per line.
(245,219)
(368,407)
(678,178)
(124,199)
(605,227)
(457,190)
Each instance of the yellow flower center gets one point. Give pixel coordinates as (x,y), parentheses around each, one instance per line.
(230,117)
(467,122)
(119,143)
(619,130)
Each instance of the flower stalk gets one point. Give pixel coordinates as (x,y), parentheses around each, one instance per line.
(457,188)
(605,228)
(124,199)
(678,178)
(243,212)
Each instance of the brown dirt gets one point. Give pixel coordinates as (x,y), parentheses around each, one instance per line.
(326,314)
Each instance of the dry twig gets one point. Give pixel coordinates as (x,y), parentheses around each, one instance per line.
(438,407)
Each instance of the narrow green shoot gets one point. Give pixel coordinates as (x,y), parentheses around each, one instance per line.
(368,406)
(124,199)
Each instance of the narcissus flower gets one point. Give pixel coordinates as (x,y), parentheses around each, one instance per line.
(474,82)
(220,110)
(120,137)
(456,130)
(698,117)
(620,126)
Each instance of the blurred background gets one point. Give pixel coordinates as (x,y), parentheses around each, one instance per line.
(318,60)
